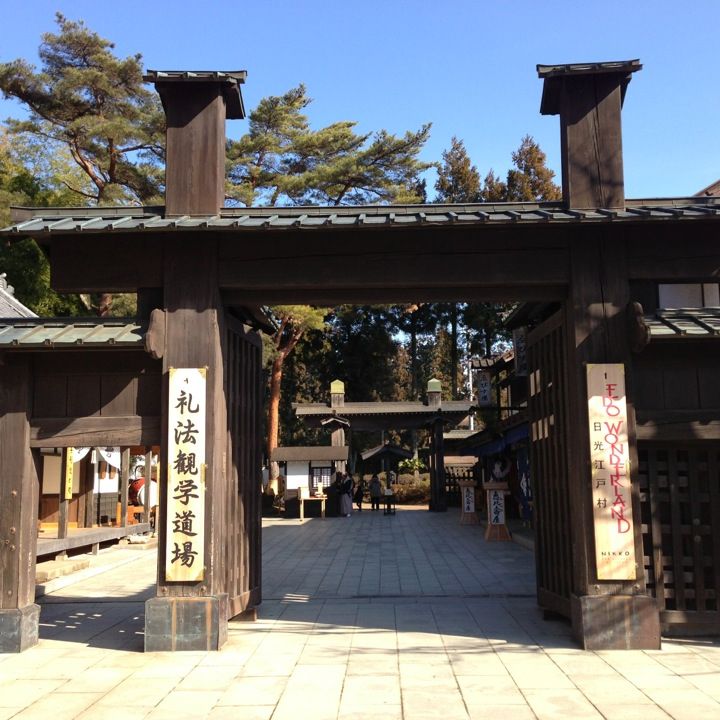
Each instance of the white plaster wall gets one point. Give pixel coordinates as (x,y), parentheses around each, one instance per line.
(296,475)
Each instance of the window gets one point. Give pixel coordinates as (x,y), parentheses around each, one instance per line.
(320,477)
(688,295)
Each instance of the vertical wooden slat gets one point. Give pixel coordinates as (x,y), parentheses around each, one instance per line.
(695,530)
(655,528)
(714,482)
(676,529)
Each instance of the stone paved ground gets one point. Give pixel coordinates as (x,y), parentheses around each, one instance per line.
(365,617)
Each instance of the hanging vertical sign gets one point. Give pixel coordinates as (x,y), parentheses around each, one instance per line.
(484,388)
(69,463)
(610,462)
(520,345)
(185,522)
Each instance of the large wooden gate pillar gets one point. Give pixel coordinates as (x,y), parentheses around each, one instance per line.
(193,615)
(19,615)
(605,614)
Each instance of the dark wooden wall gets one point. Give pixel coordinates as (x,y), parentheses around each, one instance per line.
(547,408)
(95,398)
(243,361)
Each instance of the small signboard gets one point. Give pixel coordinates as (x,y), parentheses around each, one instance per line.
(185,551)
(611,482)
(484,388)
(69,464)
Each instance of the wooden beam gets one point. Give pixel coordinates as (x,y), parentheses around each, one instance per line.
(340,295)
(94,431)
(105,263)
(363,270)
(654,253)
(664,425)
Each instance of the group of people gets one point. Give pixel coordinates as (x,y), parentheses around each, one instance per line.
(348,492)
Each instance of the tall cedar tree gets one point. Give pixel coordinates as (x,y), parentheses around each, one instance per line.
(458,181)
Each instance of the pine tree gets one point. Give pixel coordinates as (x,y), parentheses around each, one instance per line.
(282,161)
(94,105)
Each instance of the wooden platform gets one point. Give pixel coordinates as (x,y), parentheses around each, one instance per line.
(87,537)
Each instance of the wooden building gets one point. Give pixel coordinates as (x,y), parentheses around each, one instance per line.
(202,270)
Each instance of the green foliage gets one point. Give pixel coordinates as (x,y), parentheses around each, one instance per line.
(281,160)
(94,106)
(531,179)
(411,465)
(411,491)
(458,180)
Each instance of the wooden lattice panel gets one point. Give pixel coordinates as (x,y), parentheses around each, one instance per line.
(680,504)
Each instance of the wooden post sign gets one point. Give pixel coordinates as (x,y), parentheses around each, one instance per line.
(468,516)
(185,551)
(610,462)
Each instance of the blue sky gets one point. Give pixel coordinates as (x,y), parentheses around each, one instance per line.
(467,67)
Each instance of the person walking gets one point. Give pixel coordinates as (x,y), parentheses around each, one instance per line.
(375,492)
(360,489)
(346,495)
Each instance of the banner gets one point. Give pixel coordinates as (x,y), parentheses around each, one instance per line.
(185,520)
(610,462)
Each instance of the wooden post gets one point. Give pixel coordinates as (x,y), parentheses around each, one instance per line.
(605,614)
(124,484)
(147,504)
(19,487)
(438,495)
(65,496)
(193,615)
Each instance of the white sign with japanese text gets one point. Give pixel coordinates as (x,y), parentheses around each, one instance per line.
(610,462)
(185,551)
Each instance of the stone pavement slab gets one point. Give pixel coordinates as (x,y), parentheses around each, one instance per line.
(404,617)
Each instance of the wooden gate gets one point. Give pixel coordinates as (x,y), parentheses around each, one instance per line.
(244,391)
(547,407)
(680,505)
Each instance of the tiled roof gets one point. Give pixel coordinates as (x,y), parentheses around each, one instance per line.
(315,452)
(57,333)
(382,408)
(40,222)
(10,306)
(690,323)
